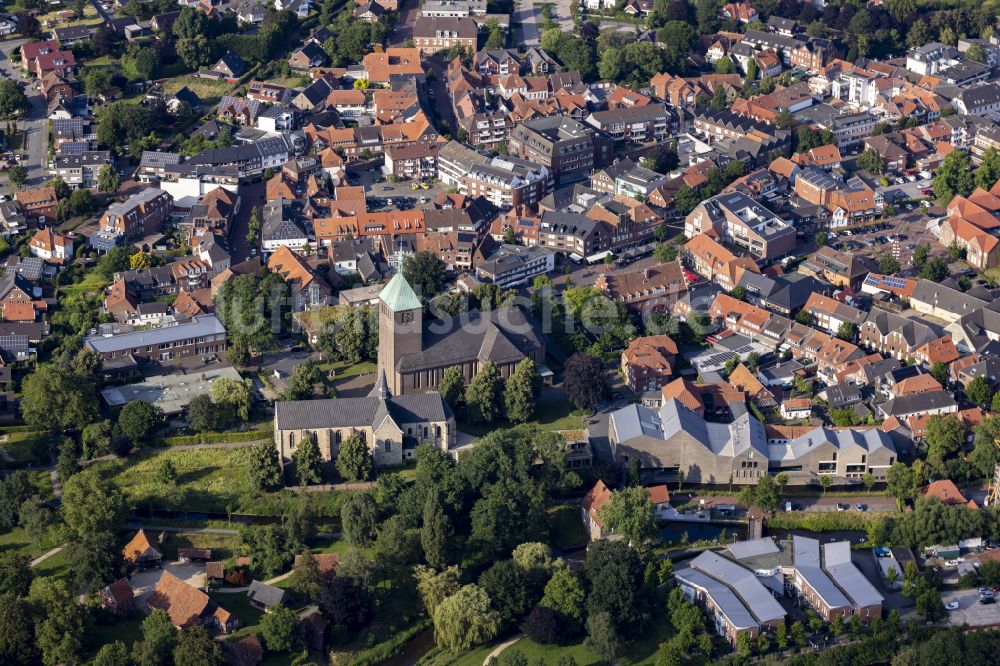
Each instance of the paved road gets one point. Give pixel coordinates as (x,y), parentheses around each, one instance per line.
(408,12)
(250,196)
(34,125)
(527,15)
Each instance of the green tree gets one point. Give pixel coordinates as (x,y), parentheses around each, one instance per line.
(264,467)
(521,391)
(888,264)
(988,172)
(871,161)
(583,376)
(233,394)
(825,482)
(303,382)
(166,474)
(978,390)
(15,574)
(278,627)
(13,101)
(954,177)
(354,460)
(35,518)
(138,421)
(425,272)
(17,174)
(53,397)
(939,371)
(868,479)
(435,586)
(465,619)
(935,270)
(360,519)
(847,331)
(196,647)
(17,640)
(112,654)
(484,393)
(60,633)
(902,482)
(436,532)
(452,387)
(630,514)
(564,594)
(308,461)
(507,586)
(617,574)
(945,436)
(602,638)
(108,179)
(194,52)
(91,505)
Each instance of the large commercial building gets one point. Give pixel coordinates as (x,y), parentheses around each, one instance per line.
(675,439)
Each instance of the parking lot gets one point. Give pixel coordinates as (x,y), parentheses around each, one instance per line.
(379,190)
(970,611)
(896,237)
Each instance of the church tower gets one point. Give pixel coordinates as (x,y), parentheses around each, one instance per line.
(400,328)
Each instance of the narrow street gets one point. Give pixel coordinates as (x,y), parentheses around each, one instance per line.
(35,125)
(250,195)
(526,14)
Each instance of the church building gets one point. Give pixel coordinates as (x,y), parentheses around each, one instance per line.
(413,354)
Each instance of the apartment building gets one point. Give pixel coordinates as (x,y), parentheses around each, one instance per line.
(656,288)
(440,33)
(742,222)
(634,125)
(204,334)
(647,363)
(566,147)
(515,265)
(140,215)
(715,263)
(80,168)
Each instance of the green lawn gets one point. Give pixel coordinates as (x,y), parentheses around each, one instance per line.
(26,448)
(398,611)
(548,416)
(128,630)
(55,566)
(558,416)
(93,282)
(552,653)
(17,540)
(566,527)
(345,370)
(207,90)
(223,546)
(209,480)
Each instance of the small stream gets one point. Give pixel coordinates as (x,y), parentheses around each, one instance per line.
(420,645)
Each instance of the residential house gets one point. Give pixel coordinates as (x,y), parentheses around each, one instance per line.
(51,246)
(188,606)
(647,362)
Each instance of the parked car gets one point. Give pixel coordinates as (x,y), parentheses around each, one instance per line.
(860,507)
(987,600)
(951,606)
(842,507)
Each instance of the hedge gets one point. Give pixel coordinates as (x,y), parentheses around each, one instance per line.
(390,648)
(216,438)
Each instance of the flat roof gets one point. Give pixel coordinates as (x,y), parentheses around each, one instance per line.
(201,326)
(171,393)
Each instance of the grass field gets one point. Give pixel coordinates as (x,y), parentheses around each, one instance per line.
(128,630)
(207,90)
(93,282)
(548,416)
(208,481)
(26,448)
(223,546)
(638,652)
(16,540)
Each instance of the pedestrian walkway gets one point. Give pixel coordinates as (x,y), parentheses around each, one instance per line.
(500,648)
(41,558)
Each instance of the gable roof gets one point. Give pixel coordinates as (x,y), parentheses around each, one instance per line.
(140,548)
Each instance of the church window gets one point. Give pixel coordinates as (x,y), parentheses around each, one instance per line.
(291,440)
(388,446)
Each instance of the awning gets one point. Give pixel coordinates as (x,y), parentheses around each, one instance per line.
(543,371)
(597,257)
(575,257)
